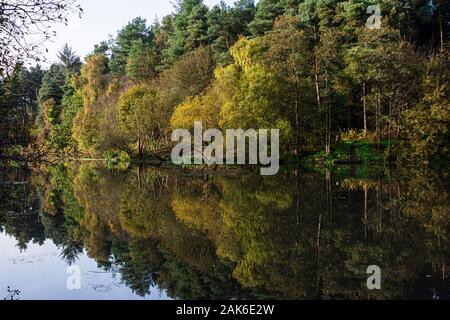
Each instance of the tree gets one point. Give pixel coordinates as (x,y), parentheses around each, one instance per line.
(69,59)
(226,24)
(241,14)
(142,62)
(250,92)
(289,56)
(71,104)
(92,81)
(52,84)
(412,18)
(189,30)
(90,85)
(387,70)
(187,77)
(266,13)
(138,117)
(49,119)
(32,80)
(219,30)
(136,30)
(428,123)
(21,19)
(102,48)
(163,32)
(204,108)
(50,98)
(328,54)
(442,14)
(18,105)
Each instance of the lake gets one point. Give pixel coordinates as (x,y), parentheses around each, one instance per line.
(156,233)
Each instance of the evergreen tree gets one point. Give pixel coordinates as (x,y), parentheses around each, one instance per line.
(163,32)
(52,84)
(142,62)
(226,24)
(266,13)
(120,50)
(189,29)
(102,48)
(69,59)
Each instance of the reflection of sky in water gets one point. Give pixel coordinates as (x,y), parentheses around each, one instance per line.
(40,273)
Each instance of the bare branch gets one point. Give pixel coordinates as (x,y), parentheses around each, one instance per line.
(25,26)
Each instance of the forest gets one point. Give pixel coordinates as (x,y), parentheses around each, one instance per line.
(336,89)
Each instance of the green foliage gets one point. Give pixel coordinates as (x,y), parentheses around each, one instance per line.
(57,111)
(428,123)
(102,48)
(18,107)
(204,108)
(52,84)
(72,104)
(226,24)
(69,59)
(142,62)
(136,30)
(138,116)
(252,104)
(91,85)
(188,77)
(266,13)
(310,68)
(189,30)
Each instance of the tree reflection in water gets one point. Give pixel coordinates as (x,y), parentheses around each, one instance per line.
(297,235)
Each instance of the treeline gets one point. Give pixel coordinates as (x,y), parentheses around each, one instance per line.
(310,68)
(18,108)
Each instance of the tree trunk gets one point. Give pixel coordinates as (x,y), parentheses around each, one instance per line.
(329,198)
(140,149)
(319,234)
(379,118)
(317,69)
(441,26)
(297,118)
(366,206)
(317,77)
(297,183)
(365,106)
(328,120)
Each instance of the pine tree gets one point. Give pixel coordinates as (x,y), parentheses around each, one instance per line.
(266,13)
(52,84)
(69,59)
(190,29)
(226,24)
(121,48)
(141,63)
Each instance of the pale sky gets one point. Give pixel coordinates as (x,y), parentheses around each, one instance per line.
(104,17)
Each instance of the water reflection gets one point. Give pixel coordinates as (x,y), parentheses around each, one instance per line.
(298,235)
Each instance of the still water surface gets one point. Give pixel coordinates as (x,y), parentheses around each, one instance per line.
(42,274)
(164,234)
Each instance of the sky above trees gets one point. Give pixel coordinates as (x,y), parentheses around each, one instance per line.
(101,17)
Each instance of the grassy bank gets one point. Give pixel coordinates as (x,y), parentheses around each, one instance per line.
(352,153)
